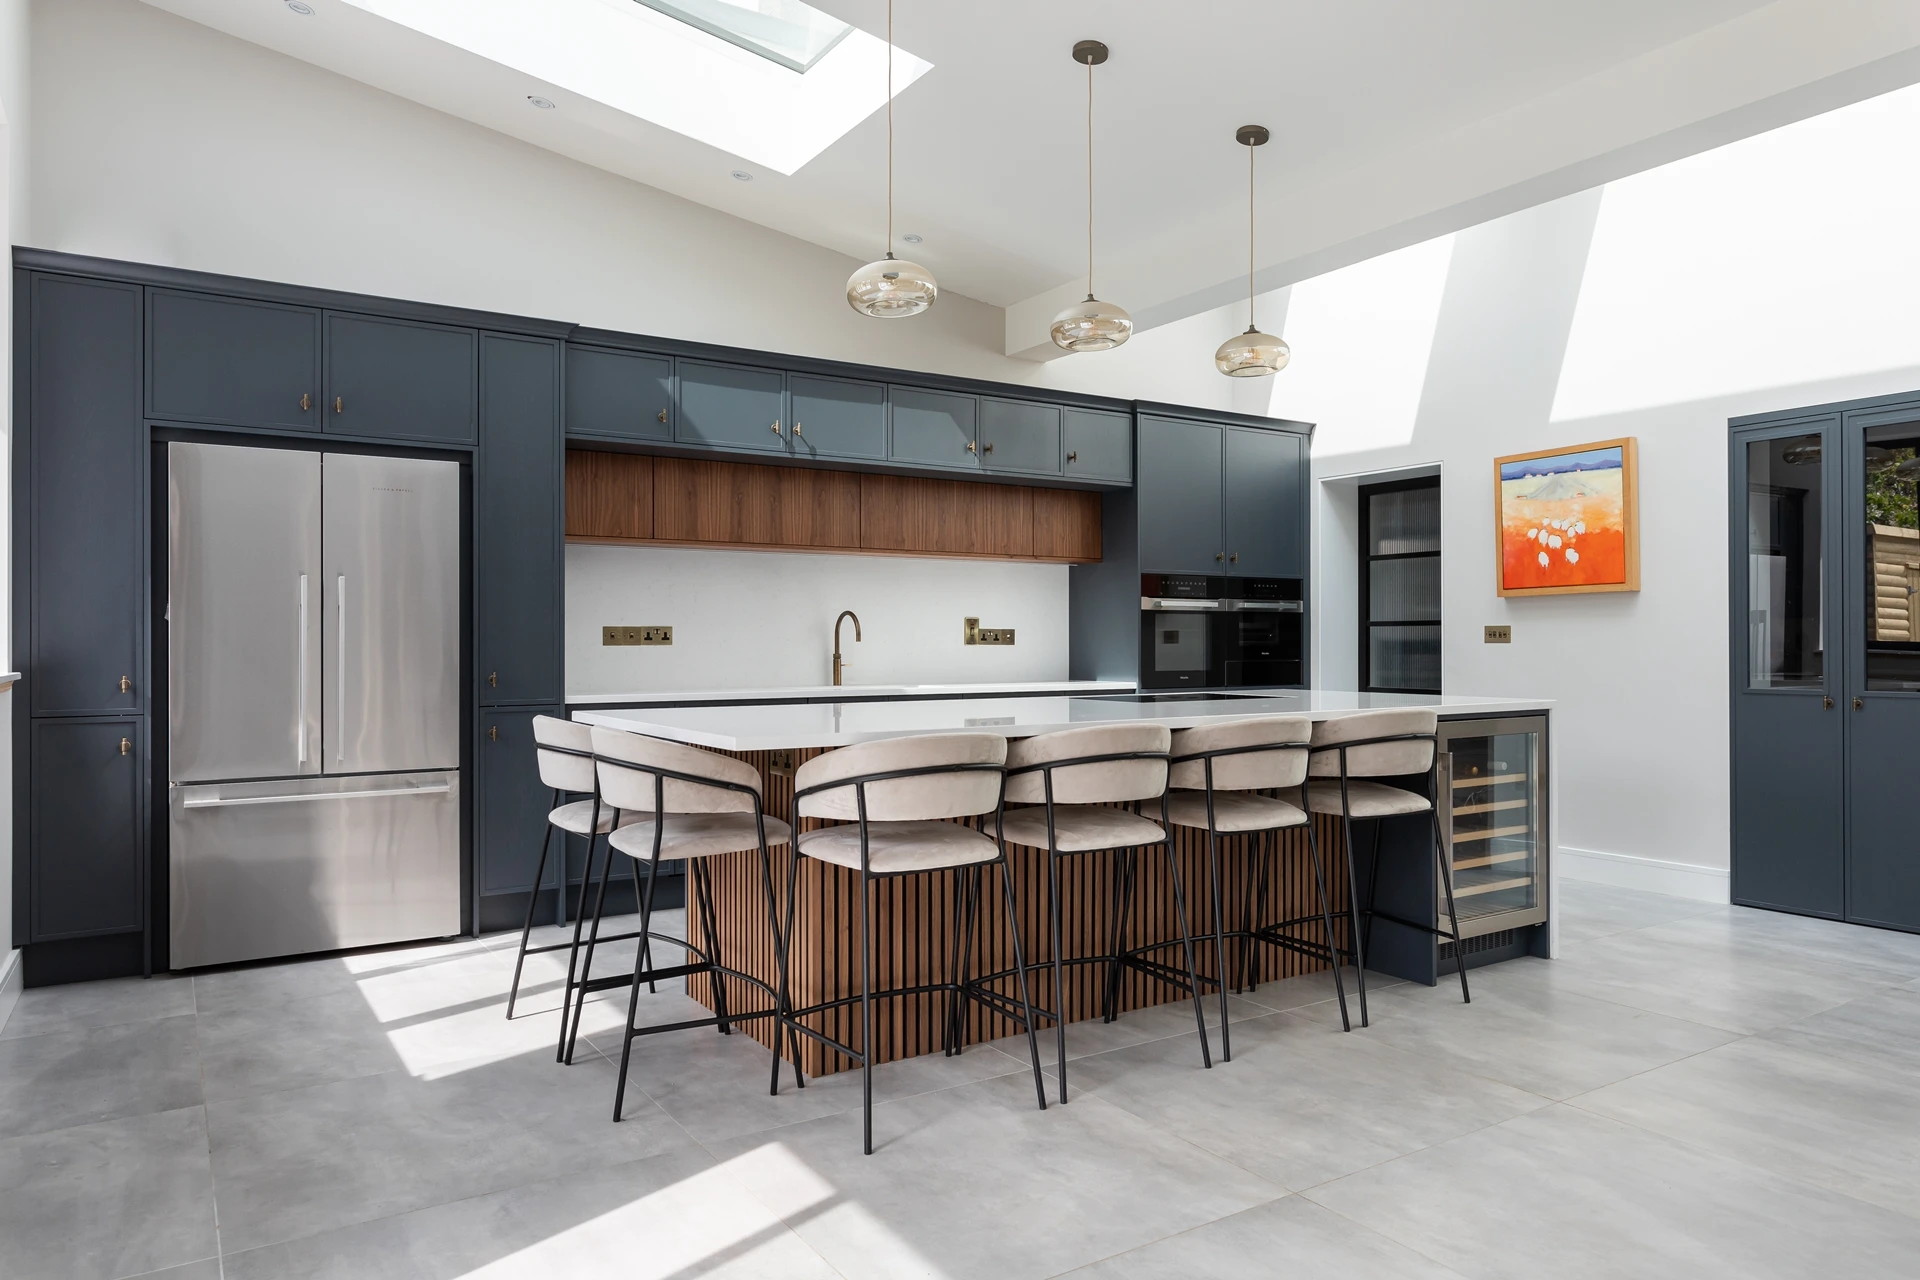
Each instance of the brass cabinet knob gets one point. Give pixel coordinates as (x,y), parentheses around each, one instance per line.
(126,684)
(493,679)
(989,446)
(1859,705)
(1074,456)
(796,428)
(972,447)
(306,401)
(1234,558)
(1219,555)
(1827,703)
(339,404)
(776,429)
(493,733)
(663,415)
(126,746)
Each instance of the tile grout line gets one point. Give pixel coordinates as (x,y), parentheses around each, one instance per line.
(206,1130)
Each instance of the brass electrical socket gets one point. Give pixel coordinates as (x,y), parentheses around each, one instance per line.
(636,635)
(1499,635)
(974,633)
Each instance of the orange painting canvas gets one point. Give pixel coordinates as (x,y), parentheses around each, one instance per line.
(1568,520)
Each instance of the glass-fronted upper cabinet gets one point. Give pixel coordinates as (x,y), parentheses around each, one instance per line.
(1786,643)
(1400,586)
(1493,781)
(1892,600)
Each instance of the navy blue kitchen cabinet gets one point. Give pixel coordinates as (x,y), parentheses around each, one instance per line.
(730,406)
(1266,510)
(81,488)
(619,395)
(511,805)
(1182,524)
(1019,436)
(935,428)
(84,810)
(400,380)
(232,361)
(518,534)
(1098,446)
(837,418)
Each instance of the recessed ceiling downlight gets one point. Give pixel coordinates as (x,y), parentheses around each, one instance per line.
(741,175)
(912,238)
(535,100)
(301,7)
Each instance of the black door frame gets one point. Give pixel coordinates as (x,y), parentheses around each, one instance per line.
(1365,599)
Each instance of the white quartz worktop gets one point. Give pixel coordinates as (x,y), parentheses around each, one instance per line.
(851,691)
(776,727)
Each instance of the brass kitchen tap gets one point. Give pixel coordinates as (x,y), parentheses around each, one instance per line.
(837,664)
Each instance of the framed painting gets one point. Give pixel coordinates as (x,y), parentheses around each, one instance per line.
(1568,520)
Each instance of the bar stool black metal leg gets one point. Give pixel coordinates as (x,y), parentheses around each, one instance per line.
(1373,881)
(786,961)
(1326,919)
(782,1030)
(1110,981)
(593,940)
(703,882)
(1453,917)
(1059,968)
(1219,946)
(866,1013)
(1267,849)
(950,1029)
(971,910)
(1123,932)
(640,961)
(1353,914)
(1186,949)
(1020,970)
(526,930)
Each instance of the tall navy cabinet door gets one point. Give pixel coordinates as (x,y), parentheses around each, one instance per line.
(1265,503)
(85,499)
(84,819)
(232,360)
(511,803)
(1178,483)
(518,522)
(733,407)
(1882,706)
(1788,637)
(399,380)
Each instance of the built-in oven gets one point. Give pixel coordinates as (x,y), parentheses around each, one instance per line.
(1205,632)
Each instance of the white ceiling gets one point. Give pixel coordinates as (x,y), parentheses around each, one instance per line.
(1393,120)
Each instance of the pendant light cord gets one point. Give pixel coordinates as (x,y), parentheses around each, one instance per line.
(1089,177)
(1250,324)
(889,128)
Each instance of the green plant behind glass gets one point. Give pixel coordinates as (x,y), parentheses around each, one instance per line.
(1892,499)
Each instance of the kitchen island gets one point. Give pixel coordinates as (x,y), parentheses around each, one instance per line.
(913,915)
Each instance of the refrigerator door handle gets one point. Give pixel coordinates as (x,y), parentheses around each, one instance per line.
(301,679)
(219,802)
(340,725)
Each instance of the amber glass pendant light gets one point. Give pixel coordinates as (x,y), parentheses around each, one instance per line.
(1092,325)
(1252,354)
(892,287)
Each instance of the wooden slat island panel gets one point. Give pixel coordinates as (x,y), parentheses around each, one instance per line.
(913,928)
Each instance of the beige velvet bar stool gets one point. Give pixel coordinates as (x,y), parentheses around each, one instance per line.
(1350,755)
(563,752)
(1068,782)
(693,805)
(894,799)
(1223,779)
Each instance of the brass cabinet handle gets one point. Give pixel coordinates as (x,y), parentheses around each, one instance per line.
(1074,456)
(126,684)
(493,733)
(493,678)
(1234,558)
(1219,555)
(1859,705)
(796,428)
(126,746)
(973,448)
(1828,703)
(663,415)
(989,446)
(339,404)
(776,429)
(306,401)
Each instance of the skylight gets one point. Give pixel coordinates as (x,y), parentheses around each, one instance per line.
(793,34)
(663,61)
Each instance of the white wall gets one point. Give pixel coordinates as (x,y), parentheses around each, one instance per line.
(1776,272)
(759,619)
(163,141)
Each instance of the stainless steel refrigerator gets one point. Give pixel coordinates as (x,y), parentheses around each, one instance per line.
(313,660)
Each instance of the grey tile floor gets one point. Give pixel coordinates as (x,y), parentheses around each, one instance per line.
(1691,1089)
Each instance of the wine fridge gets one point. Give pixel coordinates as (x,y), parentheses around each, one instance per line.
(1493,784)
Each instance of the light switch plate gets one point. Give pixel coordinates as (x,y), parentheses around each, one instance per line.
(1499,635)
(636,635)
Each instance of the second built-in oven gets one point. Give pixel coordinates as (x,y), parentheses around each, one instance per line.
(1202,632)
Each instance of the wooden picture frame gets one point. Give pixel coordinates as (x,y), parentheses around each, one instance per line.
(1566,521)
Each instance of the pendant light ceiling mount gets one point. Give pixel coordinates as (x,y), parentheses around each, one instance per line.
(1092,325)
(892,288)
(1252,354)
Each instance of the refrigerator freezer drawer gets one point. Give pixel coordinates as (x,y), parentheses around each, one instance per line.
(262,869)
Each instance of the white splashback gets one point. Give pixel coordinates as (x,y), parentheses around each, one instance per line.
(758,619)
